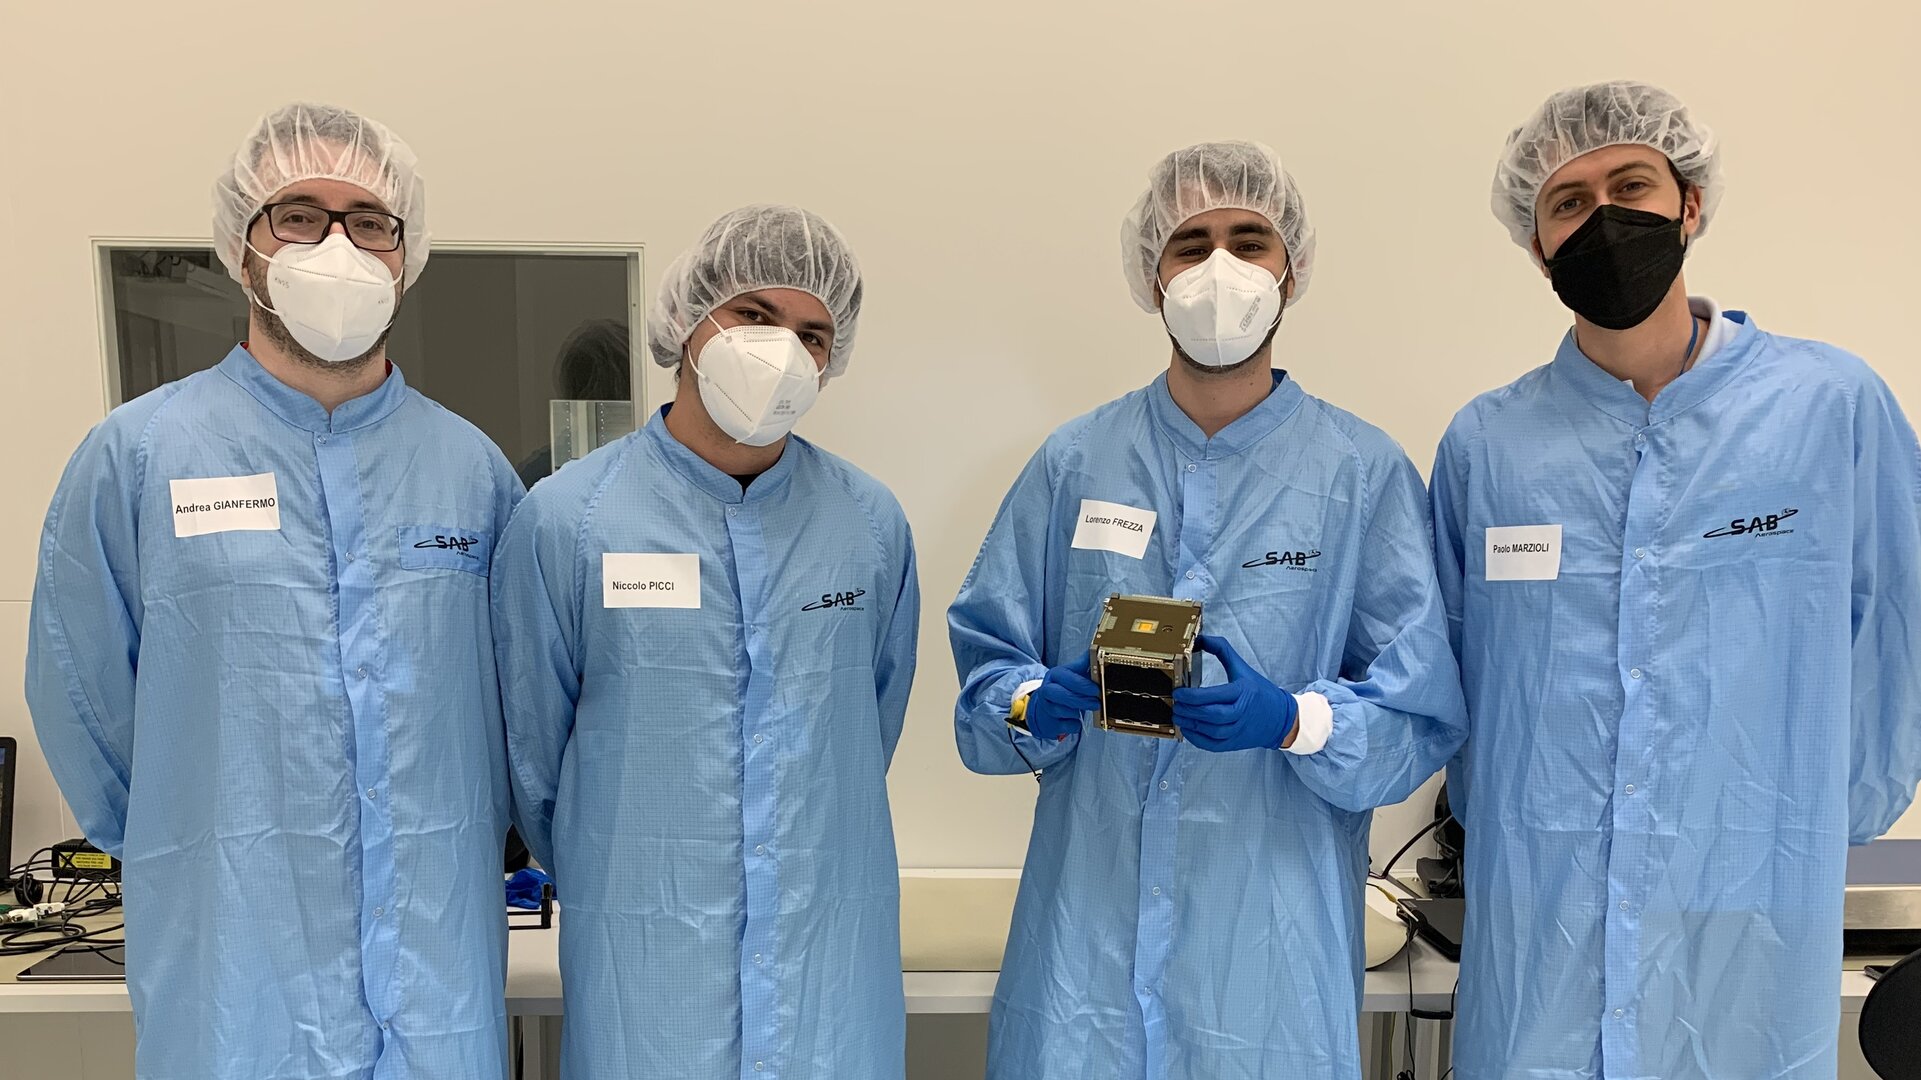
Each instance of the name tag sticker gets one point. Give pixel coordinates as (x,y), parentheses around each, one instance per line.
(1106,526)
(634,580)
(217,504)
(1524,553)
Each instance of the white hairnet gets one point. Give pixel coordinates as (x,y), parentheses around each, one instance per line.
(1588,118)
(1212,176)
(306,142)
(765,246)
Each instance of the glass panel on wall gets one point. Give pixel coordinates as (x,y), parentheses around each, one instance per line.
(534,348)
(580,427)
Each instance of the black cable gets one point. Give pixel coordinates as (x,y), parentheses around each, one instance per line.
(1017,750)
(25,887)
(1407,1022)
(83,894)
(1412,840)
(69,931)
(68,877)
(47,851)
(1407,1044)
(68,934)
(1413,1014)
(93,907)
(78,890)
(102,949)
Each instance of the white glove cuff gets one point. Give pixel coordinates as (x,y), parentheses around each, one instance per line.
(1312,725)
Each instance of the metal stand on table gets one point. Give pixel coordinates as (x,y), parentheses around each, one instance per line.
(1433,1047)
(533,1042)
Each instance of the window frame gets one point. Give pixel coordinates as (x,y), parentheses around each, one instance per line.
(634,254)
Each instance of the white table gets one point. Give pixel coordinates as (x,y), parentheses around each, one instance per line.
(534,997)
(533,985)
(533,993)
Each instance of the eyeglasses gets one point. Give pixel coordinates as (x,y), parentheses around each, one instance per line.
(304,223)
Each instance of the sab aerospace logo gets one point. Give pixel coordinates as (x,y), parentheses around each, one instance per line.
(462,544)
(838,601)
(1293,560)
(1758,525)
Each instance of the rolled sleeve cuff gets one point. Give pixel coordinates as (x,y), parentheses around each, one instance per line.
(996,701)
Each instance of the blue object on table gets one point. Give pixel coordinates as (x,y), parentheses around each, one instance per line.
(523,889)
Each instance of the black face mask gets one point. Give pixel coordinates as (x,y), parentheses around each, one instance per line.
(1618,266)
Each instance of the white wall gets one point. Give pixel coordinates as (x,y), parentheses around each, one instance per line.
(980,157)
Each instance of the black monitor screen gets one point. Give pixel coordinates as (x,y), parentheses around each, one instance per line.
(6,808)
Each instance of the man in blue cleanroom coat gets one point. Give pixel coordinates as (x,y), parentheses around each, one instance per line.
(707,635)
(1192,908)
(1683,572)
(259,658)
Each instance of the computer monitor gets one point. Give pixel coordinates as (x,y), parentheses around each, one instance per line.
(8,748)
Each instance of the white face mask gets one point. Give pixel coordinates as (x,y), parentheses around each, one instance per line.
(335,299)
(756,381)
(1221,310)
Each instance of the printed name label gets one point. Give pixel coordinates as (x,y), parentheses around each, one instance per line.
(1524,553)
(217,504)
(637,580)
(1106,526)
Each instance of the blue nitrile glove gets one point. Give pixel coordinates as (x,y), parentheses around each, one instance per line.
(1054,709)
(523,889)
(1244,713)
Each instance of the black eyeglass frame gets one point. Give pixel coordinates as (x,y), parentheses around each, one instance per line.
(333,216)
